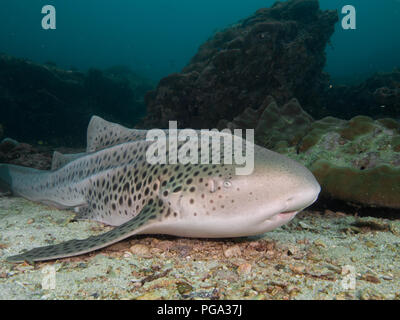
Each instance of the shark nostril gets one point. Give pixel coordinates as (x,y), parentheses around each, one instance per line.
(289,202)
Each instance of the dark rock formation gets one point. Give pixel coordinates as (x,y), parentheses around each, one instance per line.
(278,51)
(24,154)
(48,104)
(377,97)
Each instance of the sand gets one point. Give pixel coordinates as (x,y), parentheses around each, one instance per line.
(319,255)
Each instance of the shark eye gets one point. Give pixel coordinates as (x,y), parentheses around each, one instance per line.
(227,184)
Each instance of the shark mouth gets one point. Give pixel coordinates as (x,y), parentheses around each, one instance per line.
(289,212)
(287,215)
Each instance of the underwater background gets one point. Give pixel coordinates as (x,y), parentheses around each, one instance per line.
(157,37)
(313,91)
(213,64)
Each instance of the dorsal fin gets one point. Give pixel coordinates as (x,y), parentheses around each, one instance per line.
(102,134)
(59,160)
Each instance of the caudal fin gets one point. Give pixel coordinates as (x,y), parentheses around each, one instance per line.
(5,178)
(19,180)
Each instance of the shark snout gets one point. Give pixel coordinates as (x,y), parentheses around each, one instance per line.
(304,197)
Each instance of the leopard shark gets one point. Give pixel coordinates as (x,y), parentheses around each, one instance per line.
(113,183)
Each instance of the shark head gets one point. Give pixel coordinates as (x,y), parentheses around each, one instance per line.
(218,203)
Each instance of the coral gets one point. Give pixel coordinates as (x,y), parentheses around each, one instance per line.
(279,51)
(356,127)
(378,186)
(396,144)
(355,135)
(357,161)
(319,128)
(274,126)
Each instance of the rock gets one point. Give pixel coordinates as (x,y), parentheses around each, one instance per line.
(232,252)
(228,275)
(165,245)
(244,268)
(184,287)
(46,103)
(24,154)
(278,51)
(140,250)
(378,97)
(8,144)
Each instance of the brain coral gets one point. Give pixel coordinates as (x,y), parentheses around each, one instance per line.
(378,186)
(357,161)
(273,125)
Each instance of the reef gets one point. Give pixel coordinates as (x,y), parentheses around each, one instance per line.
(278,51)
(377,97)
(357,161)
(24,154)
(274,126)
(45,103)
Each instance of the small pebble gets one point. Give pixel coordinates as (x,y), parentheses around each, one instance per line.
(304,225)
(127,254)
(156,251)
(370,244)
(319,243)
(232,252)
(184,288)
(140,250)
(297,269)
(292,250)
(244,268)
(370,278)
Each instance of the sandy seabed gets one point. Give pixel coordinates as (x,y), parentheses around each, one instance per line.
(319,255)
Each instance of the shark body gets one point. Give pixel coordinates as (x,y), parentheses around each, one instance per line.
(114,184)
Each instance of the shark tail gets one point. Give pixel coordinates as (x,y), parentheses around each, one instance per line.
(19,180)
(5,178)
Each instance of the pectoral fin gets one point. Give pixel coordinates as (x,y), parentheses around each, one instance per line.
(71,248)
